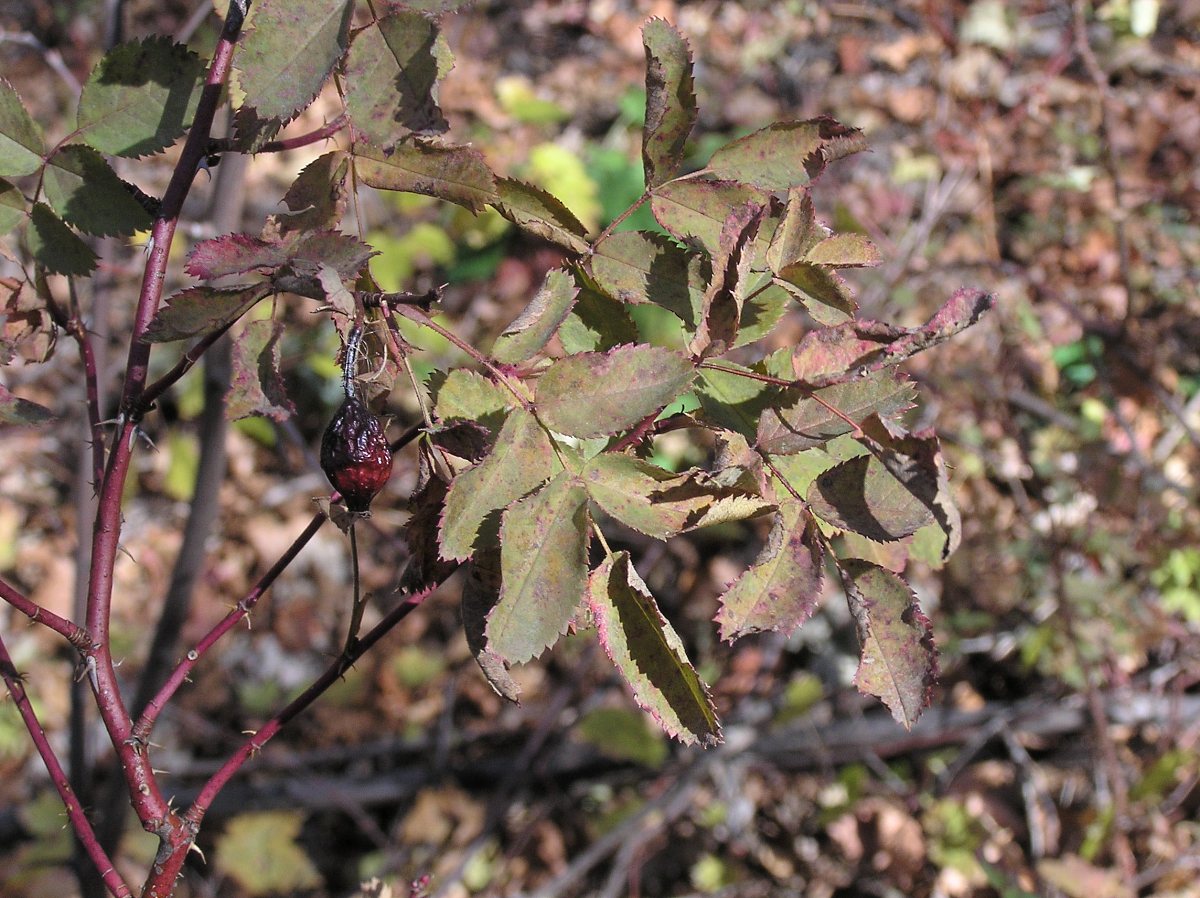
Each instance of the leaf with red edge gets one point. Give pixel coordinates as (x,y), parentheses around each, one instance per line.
(782,589)
(593,394)
(522,459)
(833,351)
(721,314)
(806,422)
(694,210)
(543,562)
(671,109)
(456,174)
(661,504)
(21,145)
(15,410)
(233,254)
(198,311)
(256,387)
(539,212)
(899,662)
(287,51)
(533,328)
(862,495)
(391,71)
(649,654)
(780,156)
(796,233)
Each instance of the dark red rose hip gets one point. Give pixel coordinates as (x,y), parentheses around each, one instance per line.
(355,454)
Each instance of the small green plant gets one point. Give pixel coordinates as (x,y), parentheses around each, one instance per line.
(547,435)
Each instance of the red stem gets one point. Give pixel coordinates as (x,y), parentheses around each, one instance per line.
(288,143)
(146,795)
(79,821)
(68,630)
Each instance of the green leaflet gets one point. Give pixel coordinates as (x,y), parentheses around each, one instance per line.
(12,207)
(453,173)
(782,589)
(540,213)
(55,245)
(671,110)
(20,138)
(534,327)
(640,266)
(465,395)
(899,662)
(806,422)
(521,460)
(661,504)
(391,71)
(649,653)
(694,209)
(140,97)
(15,410)
(782,155)
(543,561)
(198,311)
(861,495)
(595,393)
(82,188)
(287,51)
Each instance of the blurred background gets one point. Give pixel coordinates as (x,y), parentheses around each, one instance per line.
(1046,152)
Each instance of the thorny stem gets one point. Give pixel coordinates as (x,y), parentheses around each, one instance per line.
(79,821)
(68,630)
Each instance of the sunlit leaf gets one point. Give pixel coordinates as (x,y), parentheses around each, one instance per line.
(543,555)
(597,393)
(731,401)
(844,251)
(465,395)
(649,653)
(140,97)
(782,589)
(82,188)
(233,254)
(822,291)
(287,51)
(197,311)
(540,213)
(796,233)
(832,351)
(721,316)
(863,496)
(806,421)
(391,71)
(661,504)
(899,662)
(256,387)
(20,138)
(534,327)
(521,459)
(695,209)
(456,174)
(639,266)
(780,156)
(670,101)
